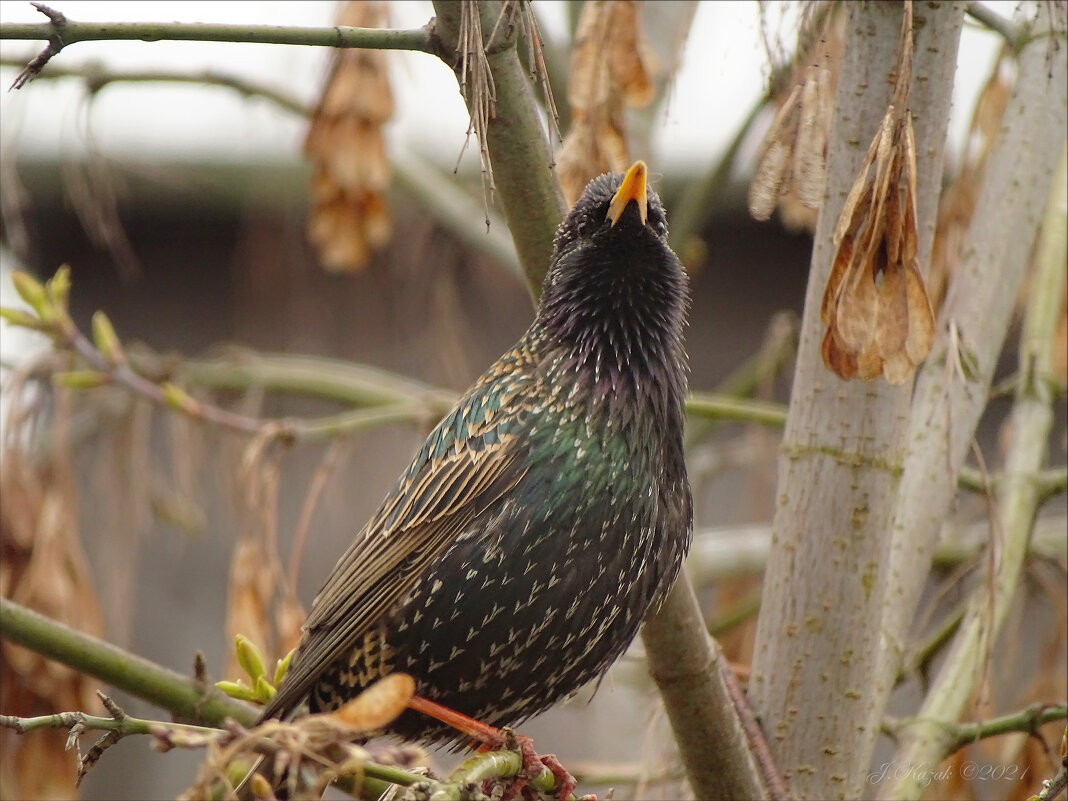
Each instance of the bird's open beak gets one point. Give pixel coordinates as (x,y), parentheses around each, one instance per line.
(632,188)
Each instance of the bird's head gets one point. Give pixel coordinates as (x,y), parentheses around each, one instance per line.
(614,210)
(615,296)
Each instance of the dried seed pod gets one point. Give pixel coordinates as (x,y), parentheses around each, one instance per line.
(348,218)
(875,304)
(611,67)
(792,160)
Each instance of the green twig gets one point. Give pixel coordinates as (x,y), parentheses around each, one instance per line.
(1026,720)
(97,76)
(340,36)
(922,657)
(317,376)
(716,406)
(1047,483)
(67,720)
(390,401)
(952,737)
(184,697)
(738,612)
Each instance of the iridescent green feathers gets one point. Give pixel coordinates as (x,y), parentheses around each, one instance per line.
(516,556)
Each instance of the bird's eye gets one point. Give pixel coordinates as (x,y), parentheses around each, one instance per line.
(581,228)
(660,228)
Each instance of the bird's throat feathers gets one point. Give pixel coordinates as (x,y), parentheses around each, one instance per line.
(618,326)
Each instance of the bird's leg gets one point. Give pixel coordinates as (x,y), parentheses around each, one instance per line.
(475,729)
(492,738)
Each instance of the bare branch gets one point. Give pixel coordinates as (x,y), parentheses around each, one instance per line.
(62,32)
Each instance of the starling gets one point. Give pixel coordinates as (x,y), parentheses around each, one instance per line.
(545,515)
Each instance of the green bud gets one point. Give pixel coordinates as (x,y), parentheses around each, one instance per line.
(80,379)
(21,318)
(30,291)
(236,689)
(58,288)
(264,691)
(249,657)
(106,340)
(178,398)
(283,666)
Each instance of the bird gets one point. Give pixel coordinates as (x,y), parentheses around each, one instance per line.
(515,558)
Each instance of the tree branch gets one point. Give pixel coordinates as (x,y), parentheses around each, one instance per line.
(730,551)
(108,364)
(184,697)
(97,76)
(1026,721)
(923,742)
(721,744)
(1009,31)
(340,36)
(61,32)
(516,140)
(818,636)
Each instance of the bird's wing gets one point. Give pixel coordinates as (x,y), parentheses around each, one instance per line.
(472,457)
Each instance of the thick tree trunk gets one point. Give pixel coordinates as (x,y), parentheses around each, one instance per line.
(818,640)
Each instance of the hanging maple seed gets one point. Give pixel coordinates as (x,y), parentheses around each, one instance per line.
(792,161)
(611,68)
(878,316)
(349,218)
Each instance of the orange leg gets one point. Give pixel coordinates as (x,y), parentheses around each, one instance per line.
(491,737)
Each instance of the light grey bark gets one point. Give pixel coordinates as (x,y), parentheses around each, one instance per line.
(818,639)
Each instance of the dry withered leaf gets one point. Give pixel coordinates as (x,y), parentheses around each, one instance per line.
(879,319)
(611,67)
(379,704)
(44,567)
(792,160)
(349,218)
(259,605)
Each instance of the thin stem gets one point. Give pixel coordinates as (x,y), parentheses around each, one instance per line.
(717,406)
(1005,27)
(341,36)
(1026,720)
(123,725)
(927,651)
(97,76)
(186,698)
(389,406)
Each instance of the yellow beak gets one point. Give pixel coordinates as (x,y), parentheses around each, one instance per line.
(632,188)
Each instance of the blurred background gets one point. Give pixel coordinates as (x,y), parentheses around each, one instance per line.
(184,210)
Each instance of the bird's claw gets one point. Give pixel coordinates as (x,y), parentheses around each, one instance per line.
(533,764)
